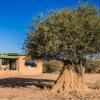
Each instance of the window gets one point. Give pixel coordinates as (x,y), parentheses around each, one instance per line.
(30,63)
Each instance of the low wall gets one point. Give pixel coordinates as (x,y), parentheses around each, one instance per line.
(9,73)
(30,71)
(24,71)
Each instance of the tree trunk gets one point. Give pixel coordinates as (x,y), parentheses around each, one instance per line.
(69,80)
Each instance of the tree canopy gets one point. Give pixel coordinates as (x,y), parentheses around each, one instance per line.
(67,32)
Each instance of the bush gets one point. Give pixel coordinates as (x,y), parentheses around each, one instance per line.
(53,66)
(56,66)
(92,67)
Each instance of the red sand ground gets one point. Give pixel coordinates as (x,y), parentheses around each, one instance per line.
(28,88)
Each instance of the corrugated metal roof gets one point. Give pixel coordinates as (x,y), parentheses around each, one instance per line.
(10,57)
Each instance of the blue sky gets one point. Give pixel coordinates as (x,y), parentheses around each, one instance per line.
(16,15)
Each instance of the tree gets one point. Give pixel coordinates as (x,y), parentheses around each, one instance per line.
(73,33)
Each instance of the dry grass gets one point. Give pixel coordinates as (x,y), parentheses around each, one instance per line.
(33,92)
(95,85)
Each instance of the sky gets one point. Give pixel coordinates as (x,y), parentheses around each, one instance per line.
(17,15)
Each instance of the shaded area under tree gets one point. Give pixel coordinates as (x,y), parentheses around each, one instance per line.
(25,82)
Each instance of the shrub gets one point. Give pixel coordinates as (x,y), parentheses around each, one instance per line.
(56,66)
(92,67)
(53,66)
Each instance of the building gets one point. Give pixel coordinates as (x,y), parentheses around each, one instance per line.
(19,64)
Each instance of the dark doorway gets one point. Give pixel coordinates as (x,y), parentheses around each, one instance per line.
(10,64)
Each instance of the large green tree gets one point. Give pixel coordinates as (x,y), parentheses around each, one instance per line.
(71,32)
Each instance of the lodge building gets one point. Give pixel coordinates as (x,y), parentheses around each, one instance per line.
(19,64)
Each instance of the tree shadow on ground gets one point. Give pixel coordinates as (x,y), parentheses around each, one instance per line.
(25,82)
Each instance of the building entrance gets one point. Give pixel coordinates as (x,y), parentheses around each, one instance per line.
(8,64)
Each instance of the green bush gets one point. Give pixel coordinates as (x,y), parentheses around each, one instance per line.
(56,66)
(53,66)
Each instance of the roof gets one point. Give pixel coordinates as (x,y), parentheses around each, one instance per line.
(11,55)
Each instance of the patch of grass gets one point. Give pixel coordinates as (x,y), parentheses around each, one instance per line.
(96,85)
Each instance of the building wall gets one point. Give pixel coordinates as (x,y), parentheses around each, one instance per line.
(27,70)
(21,69)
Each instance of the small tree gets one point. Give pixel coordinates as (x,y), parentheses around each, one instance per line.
(71,33)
